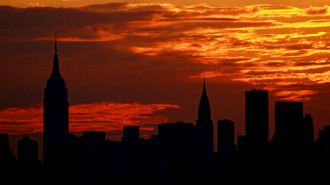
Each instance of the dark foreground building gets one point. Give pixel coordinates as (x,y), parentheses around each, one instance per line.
(8,164)
(256,121)
(204,127)
(56,122)
(28,163)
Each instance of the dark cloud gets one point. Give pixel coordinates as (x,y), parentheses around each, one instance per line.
(104,7)
(297,53)
(317,10)
(13,123)
(88,22)
(29,23)
(300,46)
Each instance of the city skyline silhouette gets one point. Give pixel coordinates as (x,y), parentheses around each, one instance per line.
(180,153)
(164,92)
(203,102)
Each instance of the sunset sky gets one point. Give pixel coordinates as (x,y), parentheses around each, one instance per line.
(142,62)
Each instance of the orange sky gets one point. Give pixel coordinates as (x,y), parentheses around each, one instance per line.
(142,63)
(71,3)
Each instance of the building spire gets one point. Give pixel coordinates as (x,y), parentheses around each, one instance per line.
(56,70)
(204,111)
(55,44)
(204,89)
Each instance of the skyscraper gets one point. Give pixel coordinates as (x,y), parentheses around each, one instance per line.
(288,117)
(256,120)
(324,137)
(95,141)
(4,142)
(307,130)
(29,165)
(226,137)
(177,139)
(8,168)
(204,126)
(226,146)
(56,117)
(27,151)
(131,133)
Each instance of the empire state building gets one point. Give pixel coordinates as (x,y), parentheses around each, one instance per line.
(55,117)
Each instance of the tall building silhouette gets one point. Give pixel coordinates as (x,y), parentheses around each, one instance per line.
(226,146)
(307,130)
(226,137)
(288,117)
(29,165)
(92,164)
(95,141)
(256,120)
(177,139)
(4,142)
(131,133)
(204,126)
(27,151)
(56,117)
(8,165)
(176,153)
(324,137)
(241,144)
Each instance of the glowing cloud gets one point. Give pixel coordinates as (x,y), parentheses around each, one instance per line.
(297,95)
(105,116)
